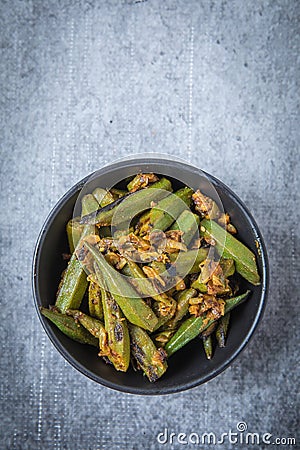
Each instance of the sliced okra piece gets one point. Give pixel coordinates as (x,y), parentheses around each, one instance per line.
(230,248)
(103,197)
(227,266)
(187,262)
(72,286)
(141,180)
(88,204)
(222,330)
(162,337)
(188,223)
(208,346)
(70,327)
(133,306)
(74,280)
(182,308)
(118,193)
(152,360)
(94,295)
(115,326)
(201,287)
(209,330)
(193,326)
(120,210)
(168,209)
(142,283)
(94,326)
(74,232)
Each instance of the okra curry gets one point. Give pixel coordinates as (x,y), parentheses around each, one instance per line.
(150,270)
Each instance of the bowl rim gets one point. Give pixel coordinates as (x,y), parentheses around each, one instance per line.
(154,390)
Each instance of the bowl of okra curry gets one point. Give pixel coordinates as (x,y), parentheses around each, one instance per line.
(150,276)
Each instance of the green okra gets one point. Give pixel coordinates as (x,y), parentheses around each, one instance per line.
(168,209)
(129,205)
(162,320)
(132,183)
(221,332)
(209,330)
(183,304)
(74,280)
(228,269)
(141,180)
(118,193)
(163,316)
(142,283)
(208,346)
(152,360)
(188,262)
(70,327)
(227,266)
(74,231)
(116,327)
(230,248)
(142,226)
(159,266)
(162,337)
(188,223)
(72,287)
(193,326)
(133,306)
(95,300)
(88,204)
(103,197)
(94,326)
(201,287)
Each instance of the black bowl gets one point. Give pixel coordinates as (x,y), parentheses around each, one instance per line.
(188,367)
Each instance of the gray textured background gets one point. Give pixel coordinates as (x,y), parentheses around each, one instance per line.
(83,83)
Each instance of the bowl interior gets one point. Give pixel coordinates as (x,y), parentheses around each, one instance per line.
(188,367)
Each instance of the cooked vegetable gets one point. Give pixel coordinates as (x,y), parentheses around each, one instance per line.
(103,197)
(70,327)
(222,329)
(193,326)
(141,283)
(133,307)
(167,210)
(95,300)
(161,269)
(152,360)
(162,337)
(115,326)
(229,247)
(94,326)
(118,193)
(210,329)
(74,231)
(72,287)
(74,281)
(141,180)
(137,201)
(188,262)
(88,204)
(188,223)
(208,346)
(183,304)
